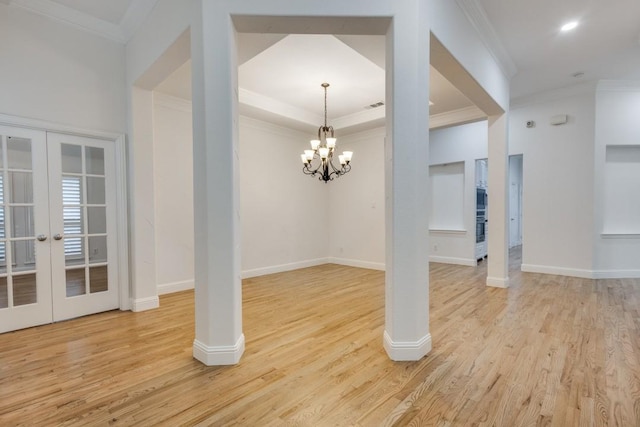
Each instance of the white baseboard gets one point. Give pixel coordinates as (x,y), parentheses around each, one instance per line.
(616,274)
(219,355)
(498,282)
(452,260)
(357,263)
(169,288)
(559,271)
(143,304)
(246,274)
(407,351)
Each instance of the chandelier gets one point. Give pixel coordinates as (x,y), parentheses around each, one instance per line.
(319,160)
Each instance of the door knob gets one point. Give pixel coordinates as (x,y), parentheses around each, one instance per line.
(41,237)
(57,236)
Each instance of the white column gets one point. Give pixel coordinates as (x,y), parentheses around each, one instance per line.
(143,248)
(219,339)
(406,335)
(498,205)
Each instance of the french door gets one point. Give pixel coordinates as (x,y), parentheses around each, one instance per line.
(57,227)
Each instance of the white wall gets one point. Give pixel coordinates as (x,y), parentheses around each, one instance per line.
(617,235)
(356,204)
(56,73)
(558,166)
(166,22)
(465,143)
(173,180)
(357,216)
(284,213)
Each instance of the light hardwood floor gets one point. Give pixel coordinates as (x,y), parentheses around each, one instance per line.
(550,350)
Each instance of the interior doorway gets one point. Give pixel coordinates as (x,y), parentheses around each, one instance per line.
(515,212)
(515,200)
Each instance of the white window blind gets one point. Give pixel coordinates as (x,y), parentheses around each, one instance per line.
(72,215)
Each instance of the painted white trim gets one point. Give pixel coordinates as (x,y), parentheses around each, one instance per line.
(407,351)
(169,288)
(219,355)
(610,235)
(246,274)
(470,262)
(618,86)
(73,18)
(138,12)
(477,16)
(122,190)
(554,95)
(143,304)
(280,108)
(122,216)
(271,128)
(172,102)
(25,122)
(358,118)
(456,117)
(616,274)
(559,271)
(447,231)
(357,263)
(498,282)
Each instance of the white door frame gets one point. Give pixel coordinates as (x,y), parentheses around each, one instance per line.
(121,188)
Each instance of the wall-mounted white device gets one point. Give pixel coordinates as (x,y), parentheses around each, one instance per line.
(560,119)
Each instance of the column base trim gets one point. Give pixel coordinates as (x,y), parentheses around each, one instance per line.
(498,282)
(143,304)
(219,355)
(407,351)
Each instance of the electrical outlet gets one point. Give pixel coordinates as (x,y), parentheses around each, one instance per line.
(435,248)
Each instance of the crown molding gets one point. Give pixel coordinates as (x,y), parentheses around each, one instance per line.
(456,117)
(359,117)
(588,87)
(618,85)
(478,18)
(72,17)
(272,128)
(280,108)
(172,102)
(137,13)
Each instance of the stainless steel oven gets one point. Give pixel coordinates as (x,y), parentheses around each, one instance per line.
(481,226)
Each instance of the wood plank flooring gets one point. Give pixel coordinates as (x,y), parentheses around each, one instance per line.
(550,350)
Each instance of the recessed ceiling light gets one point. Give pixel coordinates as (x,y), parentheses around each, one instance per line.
(569,26)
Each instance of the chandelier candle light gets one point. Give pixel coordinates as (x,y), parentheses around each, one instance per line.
(322,150)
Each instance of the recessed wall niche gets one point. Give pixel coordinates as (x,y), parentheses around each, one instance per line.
(447,197)
(621,201)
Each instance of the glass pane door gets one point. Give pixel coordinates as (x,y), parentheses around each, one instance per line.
(82,197)
(25,275)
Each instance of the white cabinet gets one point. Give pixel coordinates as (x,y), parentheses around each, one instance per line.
(482,173)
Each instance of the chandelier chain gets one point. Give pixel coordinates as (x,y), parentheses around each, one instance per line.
(325,85)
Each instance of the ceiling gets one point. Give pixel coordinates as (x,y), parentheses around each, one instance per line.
(605,45)
(111,11)
(280,75)
(284,76)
